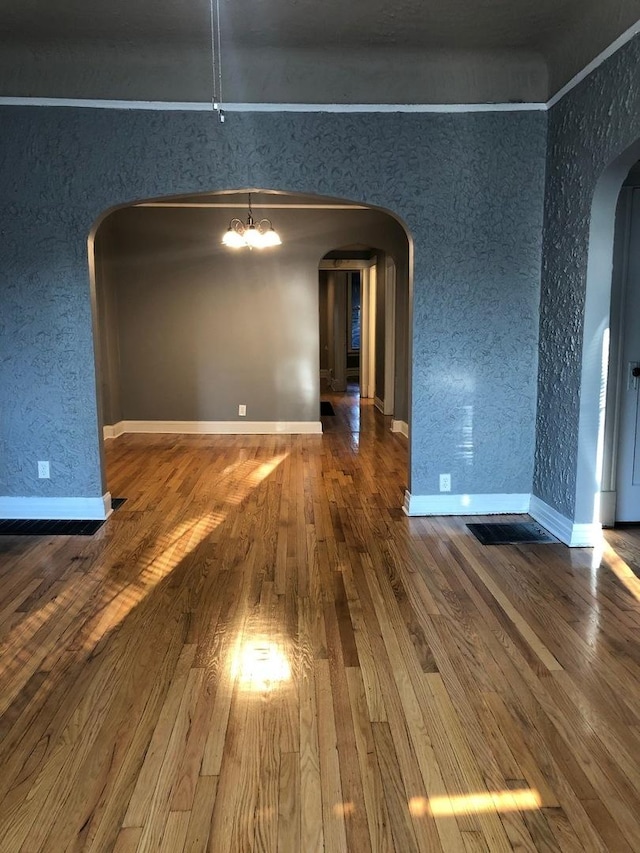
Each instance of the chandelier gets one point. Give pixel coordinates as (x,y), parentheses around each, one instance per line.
(251,234)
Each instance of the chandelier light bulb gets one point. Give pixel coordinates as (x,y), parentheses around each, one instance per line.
(271,238)
(252,237)
(232,239)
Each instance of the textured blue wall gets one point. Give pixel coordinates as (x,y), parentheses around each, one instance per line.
(468,186)
(588,129)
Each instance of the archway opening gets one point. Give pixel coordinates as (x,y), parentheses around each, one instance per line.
(601,367)
(193,337)
(620,497)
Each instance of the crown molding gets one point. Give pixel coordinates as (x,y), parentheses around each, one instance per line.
(207,106)
(200,106)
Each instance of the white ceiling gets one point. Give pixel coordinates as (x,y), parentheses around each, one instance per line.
(336,51)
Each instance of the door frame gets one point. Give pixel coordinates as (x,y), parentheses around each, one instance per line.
(368,330)
(367,306)
(617,374)
(389,335)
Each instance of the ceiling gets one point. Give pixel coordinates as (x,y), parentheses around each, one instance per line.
(360,51)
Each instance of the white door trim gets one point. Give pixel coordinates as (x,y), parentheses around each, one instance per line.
(389,336)
(371,354)
(364,333)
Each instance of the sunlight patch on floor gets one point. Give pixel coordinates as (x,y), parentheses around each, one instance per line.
(118,602)
(524,799)
(260,665)
(250,474)
(172,547)
(344,809)
(621,570)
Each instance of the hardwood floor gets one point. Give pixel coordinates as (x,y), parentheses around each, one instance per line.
(260,652)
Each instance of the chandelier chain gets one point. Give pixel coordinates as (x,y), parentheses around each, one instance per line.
(216,58)
(220,100)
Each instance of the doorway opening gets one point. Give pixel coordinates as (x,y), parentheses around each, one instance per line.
(358,295)
(194,337)
(601,380)
(621,443)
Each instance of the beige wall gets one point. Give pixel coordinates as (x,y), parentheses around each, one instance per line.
(190,329)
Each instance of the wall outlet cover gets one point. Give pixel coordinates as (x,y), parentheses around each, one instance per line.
(242,410)
(43,470)
(445,482)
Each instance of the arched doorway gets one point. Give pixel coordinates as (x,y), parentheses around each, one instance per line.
(193,337)
(620,499)
(596,469)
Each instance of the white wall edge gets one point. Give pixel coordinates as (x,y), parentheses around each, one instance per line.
(221,427)
(400,426)
(67,509)
(204,106)
(563,528)
(446,504)
(608,52)
(379,404)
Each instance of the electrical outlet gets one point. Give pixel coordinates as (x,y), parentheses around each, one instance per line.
(242,410)
(43,470)
(445,482)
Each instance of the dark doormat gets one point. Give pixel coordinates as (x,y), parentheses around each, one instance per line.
(54,527)
(517,533)
(326,408)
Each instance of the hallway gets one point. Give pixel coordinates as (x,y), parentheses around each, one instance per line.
(260,652)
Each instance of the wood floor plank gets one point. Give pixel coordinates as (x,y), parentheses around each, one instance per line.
(200,815)
(174,835)
(402,823)
(167,775)
(334,807)
(289,806)
(142,799)
(372,783)
(311,822)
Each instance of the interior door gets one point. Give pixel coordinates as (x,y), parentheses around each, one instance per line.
(628,467)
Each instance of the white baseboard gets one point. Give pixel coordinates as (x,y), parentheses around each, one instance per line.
(113,430)
(70,509)
(563,528)
(400,426)
(218,427)
(571,534)
(379,404)
(446,504)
